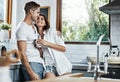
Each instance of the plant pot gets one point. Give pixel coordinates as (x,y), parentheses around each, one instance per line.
(4,35)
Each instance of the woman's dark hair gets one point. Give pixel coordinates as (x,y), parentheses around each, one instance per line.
(47,26)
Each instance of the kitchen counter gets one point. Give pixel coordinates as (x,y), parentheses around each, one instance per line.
(76,79)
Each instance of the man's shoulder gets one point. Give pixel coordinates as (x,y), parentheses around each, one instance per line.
(21,26)
(21,32)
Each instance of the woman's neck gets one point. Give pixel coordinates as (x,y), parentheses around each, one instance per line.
(40,31)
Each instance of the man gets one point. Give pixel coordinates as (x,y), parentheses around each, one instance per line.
(26,34)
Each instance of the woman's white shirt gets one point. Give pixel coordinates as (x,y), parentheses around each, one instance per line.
(59,59)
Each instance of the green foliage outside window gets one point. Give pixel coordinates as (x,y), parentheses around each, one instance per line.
(97,25)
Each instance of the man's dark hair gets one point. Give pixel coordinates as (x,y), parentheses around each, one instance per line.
(31,5)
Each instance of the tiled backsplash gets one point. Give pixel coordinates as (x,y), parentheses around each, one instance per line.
(77,53)
(115,29)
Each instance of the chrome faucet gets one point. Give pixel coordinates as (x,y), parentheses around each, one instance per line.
(97,72)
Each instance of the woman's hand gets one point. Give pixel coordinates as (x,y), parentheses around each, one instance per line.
(43,42)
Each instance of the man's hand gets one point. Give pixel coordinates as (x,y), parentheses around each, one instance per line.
(34,76)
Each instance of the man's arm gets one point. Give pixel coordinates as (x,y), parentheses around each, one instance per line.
(22,48)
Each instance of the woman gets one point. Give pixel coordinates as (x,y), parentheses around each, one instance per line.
(53,48)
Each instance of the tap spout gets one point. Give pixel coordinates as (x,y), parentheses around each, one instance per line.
(99,40)
(98,44)
(96,75)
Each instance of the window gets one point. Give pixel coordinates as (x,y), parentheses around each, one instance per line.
(5,11)
(82,21)
(1,11)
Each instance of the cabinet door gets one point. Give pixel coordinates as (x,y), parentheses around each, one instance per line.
(113,73)
(16,74)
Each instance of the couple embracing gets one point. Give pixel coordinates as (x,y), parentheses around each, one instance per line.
(48,59)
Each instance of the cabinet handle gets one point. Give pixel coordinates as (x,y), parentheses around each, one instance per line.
(113,73)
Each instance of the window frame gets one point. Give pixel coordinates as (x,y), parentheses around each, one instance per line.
(9,11)
(59,25)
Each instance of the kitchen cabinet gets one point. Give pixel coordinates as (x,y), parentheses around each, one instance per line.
(113,71)
(81,68)
(16,73)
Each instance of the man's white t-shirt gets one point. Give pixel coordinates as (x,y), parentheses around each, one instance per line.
(28,34)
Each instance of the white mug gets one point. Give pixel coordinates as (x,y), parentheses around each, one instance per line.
(37,44)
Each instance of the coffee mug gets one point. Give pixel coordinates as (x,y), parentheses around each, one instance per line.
(37,44)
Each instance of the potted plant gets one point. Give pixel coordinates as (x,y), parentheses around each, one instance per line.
(5,26)
(5,31)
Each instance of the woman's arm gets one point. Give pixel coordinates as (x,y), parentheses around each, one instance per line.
(51,45)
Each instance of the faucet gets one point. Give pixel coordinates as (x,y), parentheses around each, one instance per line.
(97,72)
